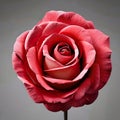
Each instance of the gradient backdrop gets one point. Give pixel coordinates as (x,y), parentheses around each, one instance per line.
(17,16)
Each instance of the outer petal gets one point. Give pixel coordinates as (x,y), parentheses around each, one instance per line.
(67,17)
(58,96)
(58,106)
(50,16)
(84,87)
(39,95)
(101,44)
(34,36)
(18,58)
(32,60)
(62,84)
(35,67)
(90,98)
(19,45)
(94,75)
(79,103)
(77,33)
(19,67)
(53,27)
(23,71)
(88,90)
(87,99)
(74,19)
(35,93)
(88,56)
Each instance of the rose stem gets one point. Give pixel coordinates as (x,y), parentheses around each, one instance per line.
(65,115)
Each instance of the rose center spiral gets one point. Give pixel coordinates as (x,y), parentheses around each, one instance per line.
(65,49)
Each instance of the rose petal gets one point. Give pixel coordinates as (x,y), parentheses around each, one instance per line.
(79,103)
(53,27)
(18,59)
(82,89)
(94,75)
(49,62)
(65,72)
(64,59)
(88,56)
(67,17)
(27,72)
(19,45)
(58,106)
(77,33)
(23,71)
(88,90)
(87,99)
(39,95)
(90,98)
(43,83)
(58,96)
(52,41)
(31,74)
(61,84)
(19,67)
(103,54)
(35,67)
(34,36)
(35,93)
(50,16)
(88,53)
(74,19)
(32,60)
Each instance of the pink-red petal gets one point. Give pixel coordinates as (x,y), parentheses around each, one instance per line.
(53,27)
(88,56)
(87,99)
(83,88)
(36,68)
(39,95)
(63,59)
(75,19)
(103,57)
(50,16)
(77,33)
(68,18)
(19,45)
(35,93)
(61,84)
(94,75)
(53,40)
(49,62)
(66,72)
(33,36)
(33,61)
(19,68)
(58,106)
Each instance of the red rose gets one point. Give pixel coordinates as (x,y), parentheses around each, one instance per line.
(63,61)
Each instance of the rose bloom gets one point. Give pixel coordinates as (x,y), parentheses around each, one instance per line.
(63,61)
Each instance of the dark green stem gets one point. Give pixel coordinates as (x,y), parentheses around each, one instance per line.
(65,115)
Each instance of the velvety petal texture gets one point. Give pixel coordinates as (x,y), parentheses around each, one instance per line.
(63,61)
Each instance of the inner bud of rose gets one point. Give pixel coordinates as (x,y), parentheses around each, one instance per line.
(63,52)
(64,49)
(61,59)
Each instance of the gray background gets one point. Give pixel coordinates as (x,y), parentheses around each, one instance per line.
(17,16)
